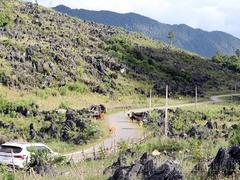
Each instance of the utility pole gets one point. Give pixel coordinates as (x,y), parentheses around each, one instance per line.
(235,88)
(166,114)
(196,96)
(150,101)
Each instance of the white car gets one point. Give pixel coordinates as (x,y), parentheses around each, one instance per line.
(18,154)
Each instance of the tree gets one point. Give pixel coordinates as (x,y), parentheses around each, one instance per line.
(171,36)
(237,52)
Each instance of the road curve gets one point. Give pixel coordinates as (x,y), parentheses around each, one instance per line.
(125,130)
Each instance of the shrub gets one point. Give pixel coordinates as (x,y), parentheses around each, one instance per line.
(235,137)
(169,145)
(60,160)
(80,71)
(123,146)
(64,105)
(4,19)
(6,174)
(63,91)
(78,87)
(13,109)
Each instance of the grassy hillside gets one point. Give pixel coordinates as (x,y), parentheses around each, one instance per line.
(41,48)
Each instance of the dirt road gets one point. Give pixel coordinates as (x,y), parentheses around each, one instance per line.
(125,130)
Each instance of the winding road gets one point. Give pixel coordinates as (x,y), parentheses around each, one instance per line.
(125,130)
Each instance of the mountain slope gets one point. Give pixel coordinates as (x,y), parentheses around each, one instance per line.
(196,40)
(41,48)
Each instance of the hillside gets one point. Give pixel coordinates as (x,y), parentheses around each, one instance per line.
(196,40)
(41,48)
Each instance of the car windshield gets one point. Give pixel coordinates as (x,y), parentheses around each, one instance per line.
(38,148)
(10,149)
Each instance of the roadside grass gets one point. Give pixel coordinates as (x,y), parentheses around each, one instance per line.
(213,110)
(49,99)
(187,152)
(86,170)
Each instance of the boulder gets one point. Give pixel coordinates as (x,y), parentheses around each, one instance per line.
(134,171)
(69,124)
(224,127)
(201,168)
(121,161)
(209,125)
(225,162)
(53,132)
(32,131)
(182,134)
(168,171)
(65,135)
(215,125)
(141,169)
(80,124)
(3,139)
(234,126)
(192,132)
(129,152)
(79,140)
(120,173)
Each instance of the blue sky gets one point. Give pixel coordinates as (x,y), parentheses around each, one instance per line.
(209,15)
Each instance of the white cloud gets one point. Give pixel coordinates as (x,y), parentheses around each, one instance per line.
(206,14)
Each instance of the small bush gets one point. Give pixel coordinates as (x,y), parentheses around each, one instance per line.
(235,137)
(63,91)
(4,19)
(123,146)
(60,160)
(6,174)
(78,87)
(64,105)
(169,145)
(80,71)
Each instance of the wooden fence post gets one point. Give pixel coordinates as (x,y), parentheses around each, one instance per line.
(83,154)
(14,170)
(94,153)
(166,114)
(114,145)
(196,96)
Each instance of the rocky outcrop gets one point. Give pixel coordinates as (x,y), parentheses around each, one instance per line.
(226,162)
(146,168)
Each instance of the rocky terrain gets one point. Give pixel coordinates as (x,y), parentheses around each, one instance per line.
(189,124)
(148,167)
(144,168)
(42,48)
(66,125)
